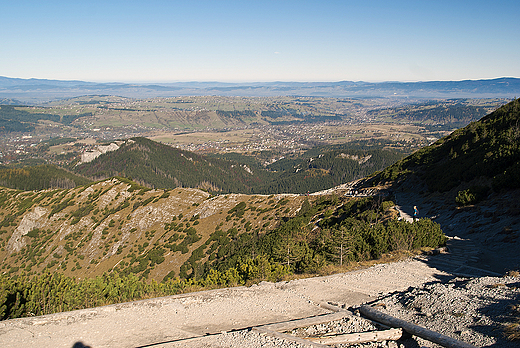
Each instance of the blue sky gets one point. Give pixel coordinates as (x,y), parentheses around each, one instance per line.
(245,41)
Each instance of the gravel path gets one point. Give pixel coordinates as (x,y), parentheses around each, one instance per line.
(178,319)
(468,309)
(472,310)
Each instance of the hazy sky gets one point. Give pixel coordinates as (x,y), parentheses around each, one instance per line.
(244,41)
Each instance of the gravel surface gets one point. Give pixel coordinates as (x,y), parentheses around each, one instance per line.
(176,321)
(470,310)
(473,310)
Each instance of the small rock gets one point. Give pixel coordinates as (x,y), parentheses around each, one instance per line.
(392,344)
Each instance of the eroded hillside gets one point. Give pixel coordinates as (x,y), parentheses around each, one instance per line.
(116,225)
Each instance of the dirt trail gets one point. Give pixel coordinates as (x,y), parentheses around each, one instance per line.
(484,236)
(175,318)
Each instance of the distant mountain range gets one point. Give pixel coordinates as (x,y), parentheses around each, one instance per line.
(15,90)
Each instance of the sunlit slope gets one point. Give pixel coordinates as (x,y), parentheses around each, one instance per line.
(486,153)
(117,225)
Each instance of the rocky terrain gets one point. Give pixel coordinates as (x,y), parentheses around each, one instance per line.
(473,310)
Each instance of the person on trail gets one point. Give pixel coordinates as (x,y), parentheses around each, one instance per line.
(415,212)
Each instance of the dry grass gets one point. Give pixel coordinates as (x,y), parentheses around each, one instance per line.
(495,286)
(512,331)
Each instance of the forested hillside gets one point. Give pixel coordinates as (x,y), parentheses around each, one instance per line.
(455,114)
(326,167)
(39,177)
(161,166)
(484,156)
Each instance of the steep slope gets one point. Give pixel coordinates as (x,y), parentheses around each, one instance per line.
(117,225)
(469,182)
(325,167)
(486,151)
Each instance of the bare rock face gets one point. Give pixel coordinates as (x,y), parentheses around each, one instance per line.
(89,156)
(217,204)
(30,221)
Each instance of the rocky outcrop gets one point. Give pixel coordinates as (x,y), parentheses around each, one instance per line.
(30,221)
(89,156)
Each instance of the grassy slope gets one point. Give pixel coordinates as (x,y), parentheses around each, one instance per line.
(88,230)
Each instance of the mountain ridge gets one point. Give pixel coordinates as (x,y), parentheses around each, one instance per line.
(162,166)
(489,148)
(469,183)
(40,90)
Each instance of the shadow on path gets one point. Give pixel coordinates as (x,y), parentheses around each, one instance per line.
(455,258)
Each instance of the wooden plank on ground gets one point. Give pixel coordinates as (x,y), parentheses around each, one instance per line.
(316,320)
(289,337)
(413,329)
(361,337)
